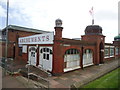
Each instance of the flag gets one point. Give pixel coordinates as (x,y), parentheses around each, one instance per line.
(92,14)
(91,11)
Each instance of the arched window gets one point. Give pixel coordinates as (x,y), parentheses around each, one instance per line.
(46,52)
(72,51)
(71,60)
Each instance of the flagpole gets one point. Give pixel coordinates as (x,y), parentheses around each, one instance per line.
(92,17)
(92,14)
(93,21)
(6,49)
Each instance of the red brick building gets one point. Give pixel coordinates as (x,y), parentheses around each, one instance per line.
(58,55)
(14,32)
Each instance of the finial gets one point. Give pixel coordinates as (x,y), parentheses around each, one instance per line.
(58,23)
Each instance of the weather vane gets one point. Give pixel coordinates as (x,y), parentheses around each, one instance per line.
(92,14)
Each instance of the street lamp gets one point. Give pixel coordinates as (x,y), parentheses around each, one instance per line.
(6,50)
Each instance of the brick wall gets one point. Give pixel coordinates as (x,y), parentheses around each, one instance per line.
(13,36)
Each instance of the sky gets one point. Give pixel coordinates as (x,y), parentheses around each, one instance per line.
(41,14)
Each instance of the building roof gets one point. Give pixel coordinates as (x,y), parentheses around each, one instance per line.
(117,38)
(14,27)
(93,30)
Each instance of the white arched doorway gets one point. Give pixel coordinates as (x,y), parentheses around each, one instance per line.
(71,60)
(32,56)
(45,58)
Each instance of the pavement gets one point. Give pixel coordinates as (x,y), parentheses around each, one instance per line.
(73,79)
(80,77)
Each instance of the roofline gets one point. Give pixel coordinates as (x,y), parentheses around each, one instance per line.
(20,28)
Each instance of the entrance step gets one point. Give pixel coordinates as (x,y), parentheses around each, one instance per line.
(36,74)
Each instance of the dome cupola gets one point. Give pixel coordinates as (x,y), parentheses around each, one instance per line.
(117,38)
(93,30)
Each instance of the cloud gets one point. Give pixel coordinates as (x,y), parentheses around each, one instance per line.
(106,15)
(41,14)
(2,12)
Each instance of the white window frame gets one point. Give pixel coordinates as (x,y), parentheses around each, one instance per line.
(106,55)
(112,52)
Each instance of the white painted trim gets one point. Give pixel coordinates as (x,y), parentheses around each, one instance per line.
(73,68)
(88,65)
(112,46)
(106,46)
(107,57)
(112,56)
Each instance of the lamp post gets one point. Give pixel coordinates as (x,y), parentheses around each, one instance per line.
(6,48)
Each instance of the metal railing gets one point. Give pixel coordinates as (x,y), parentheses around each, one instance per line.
(40,74)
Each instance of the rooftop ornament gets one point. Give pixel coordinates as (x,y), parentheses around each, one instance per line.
(58,22)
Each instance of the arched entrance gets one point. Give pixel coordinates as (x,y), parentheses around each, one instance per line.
(101,55)
(87,57)
(32,57)
(71,60)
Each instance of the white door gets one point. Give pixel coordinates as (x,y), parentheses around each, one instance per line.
(71,60)
(45,60)
(87,58)
(32,55)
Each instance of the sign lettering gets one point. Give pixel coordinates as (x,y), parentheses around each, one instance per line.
(46,38)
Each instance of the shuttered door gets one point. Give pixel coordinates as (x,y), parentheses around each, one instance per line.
(71,60)
(87,58)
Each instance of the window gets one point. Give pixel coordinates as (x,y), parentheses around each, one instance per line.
(33,48)
(47,57)
(24,49)
(116,51)
(44,49)
(50,51)
(106,52)
(72,51)
(44,56)
(47,49)
(111,51)
(88,51)
(46,52)
(41,51)
(32,54)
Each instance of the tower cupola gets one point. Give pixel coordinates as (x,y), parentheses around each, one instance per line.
(93,30)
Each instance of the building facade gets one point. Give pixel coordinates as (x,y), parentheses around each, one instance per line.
(59,55)
(14,32)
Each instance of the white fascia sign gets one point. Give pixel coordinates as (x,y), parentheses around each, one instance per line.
(46,38)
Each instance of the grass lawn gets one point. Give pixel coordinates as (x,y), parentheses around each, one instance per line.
(109,80)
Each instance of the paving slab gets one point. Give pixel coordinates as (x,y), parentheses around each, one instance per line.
(75,78)
(82,76)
